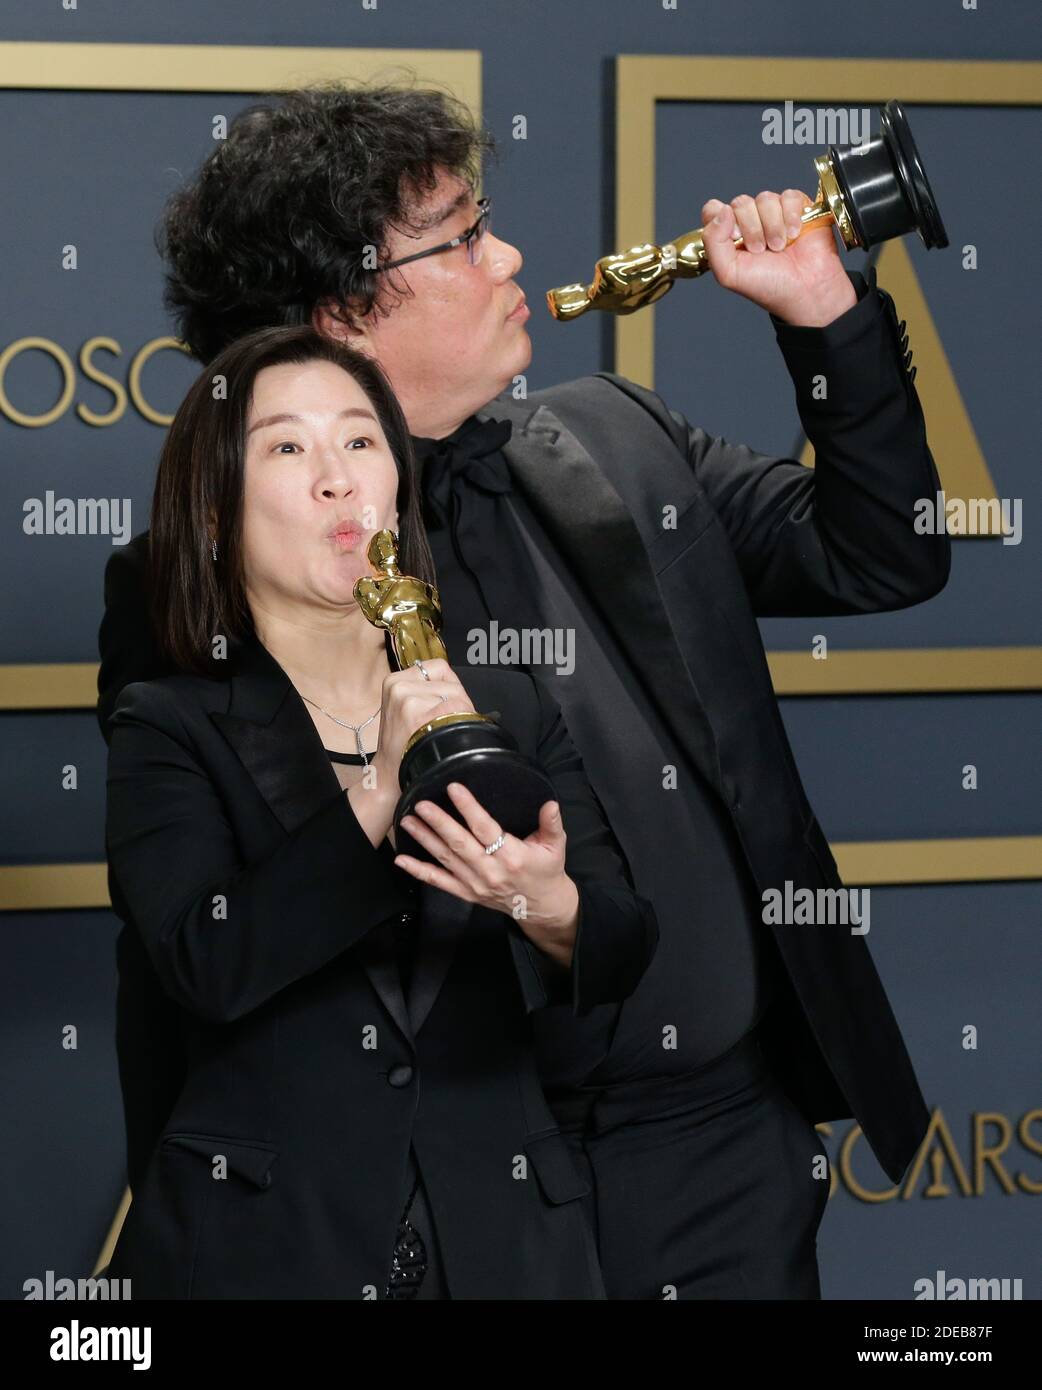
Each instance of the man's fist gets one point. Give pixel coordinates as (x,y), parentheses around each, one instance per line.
(801,281)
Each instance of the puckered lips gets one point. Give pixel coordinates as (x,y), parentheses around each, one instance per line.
(346,535)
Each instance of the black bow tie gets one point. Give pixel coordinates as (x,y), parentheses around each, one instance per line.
(471,453)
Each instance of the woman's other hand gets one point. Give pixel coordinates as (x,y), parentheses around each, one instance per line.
(525,879)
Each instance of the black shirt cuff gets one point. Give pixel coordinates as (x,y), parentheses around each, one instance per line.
(842,331)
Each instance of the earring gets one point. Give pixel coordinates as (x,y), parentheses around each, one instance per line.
(214,544)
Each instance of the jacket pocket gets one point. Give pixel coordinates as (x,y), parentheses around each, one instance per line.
(247,1158)
(559,1178)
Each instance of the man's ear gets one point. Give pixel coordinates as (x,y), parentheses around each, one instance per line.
(334,320)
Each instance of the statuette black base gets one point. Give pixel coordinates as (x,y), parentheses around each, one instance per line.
(483,756)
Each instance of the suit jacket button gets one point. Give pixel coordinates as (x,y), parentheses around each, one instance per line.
(399,1076)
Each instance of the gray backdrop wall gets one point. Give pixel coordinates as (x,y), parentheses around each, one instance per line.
(93,169)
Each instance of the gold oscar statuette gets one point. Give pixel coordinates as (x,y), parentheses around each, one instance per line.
(871,192)
(465,747)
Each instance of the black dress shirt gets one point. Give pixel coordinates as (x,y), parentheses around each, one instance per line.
(712,976)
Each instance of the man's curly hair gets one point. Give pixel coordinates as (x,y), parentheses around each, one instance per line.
(280,215)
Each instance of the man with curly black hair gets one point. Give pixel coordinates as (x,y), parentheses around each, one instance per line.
(290,209)
(591,511)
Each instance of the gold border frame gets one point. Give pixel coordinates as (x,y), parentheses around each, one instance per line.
(167,68)
(222,68)
(861,863)
(644,80)
(641,82)
(157,67)
(882,671)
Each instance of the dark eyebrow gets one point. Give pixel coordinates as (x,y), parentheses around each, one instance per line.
(433,219)
(295,419)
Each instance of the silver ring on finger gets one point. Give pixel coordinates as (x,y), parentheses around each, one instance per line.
(422,670)
(496,844)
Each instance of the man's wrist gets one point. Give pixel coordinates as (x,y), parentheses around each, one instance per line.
(823,309)
(841,333)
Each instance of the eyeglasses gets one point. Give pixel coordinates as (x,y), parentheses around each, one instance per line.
(472,238)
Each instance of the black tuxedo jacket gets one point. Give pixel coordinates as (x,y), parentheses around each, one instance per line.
(257,968)
(599,461)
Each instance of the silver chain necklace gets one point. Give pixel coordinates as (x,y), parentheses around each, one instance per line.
(356,729)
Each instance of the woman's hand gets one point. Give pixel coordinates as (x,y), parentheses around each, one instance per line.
(407,702)
(525,879)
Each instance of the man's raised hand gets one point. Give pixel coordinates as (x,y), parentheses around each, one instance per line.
(798,278)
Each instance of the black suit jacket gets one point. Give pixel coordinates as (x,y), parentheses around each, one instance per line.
(599,460)
(258,961)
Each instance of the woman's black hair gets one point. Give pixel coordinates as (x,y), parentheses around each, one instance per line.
(199,492)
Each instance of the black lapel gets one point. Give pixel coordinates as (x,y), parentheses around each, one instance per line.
(444,920)
(277,743)
(590,525)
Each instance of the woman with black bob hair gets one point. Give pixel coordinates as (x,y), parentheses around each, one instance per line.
(352,1109)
